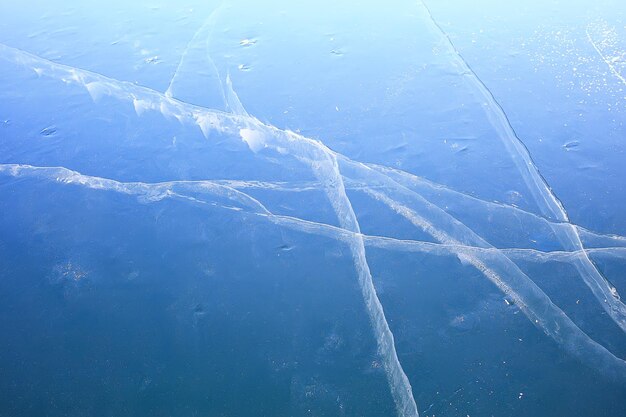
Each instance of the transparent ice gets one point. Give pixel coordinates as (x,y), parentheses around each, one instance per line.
(299,209)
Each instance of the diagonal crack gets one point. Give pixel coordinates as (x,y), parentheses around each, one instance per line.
(314,152)
(542,193)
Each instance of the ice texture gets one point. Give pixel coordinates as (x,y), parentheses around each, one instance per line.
(206,142)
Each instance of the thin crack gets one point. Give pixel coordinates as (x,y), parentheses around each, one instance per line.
(543,194)
(604,58)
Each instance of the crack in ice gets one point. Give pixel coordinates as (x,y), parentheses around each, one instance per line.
(531,300)
(318,156)
(153,192)
(543,195)
(208,24)
(608,62)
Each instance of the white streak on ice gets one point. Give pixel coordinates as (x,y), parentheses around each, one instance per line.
(419,184)
(147,192)
(501,271)
(607,61)
(504,274)
(323,162)
(207,25)
(315,153)
(258,136)
(152,192)
(254,138)
(328,172)
(547,202)
(232,99)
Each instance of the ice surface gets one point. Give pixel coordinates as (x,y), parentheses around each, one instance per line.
(607,48)
(416,182)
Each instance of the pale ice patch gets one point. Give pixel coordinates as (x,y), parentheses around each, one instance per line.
(253,138)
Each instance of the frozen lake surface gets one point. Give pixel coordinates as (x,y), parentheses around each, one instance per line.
(331,208)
